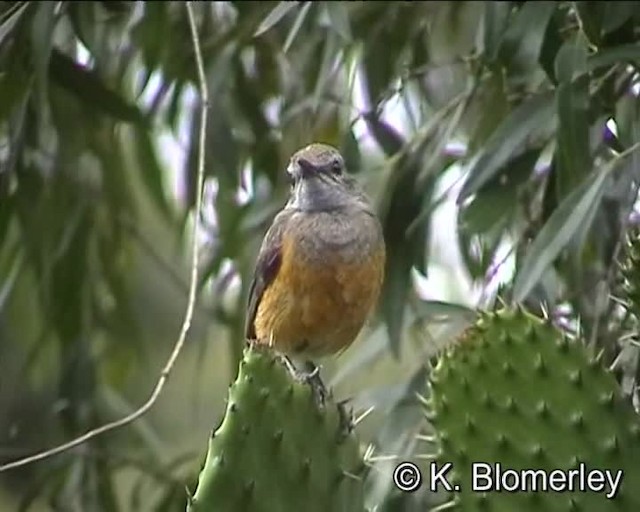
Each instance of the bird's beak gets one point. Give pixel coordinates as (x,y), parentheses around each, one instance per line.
(302,169)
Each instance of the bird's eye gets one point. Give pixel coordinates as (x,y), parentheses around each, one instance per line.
(336,167)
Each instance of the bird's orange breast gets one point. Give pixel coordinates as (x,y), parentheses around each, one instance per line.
(318,306)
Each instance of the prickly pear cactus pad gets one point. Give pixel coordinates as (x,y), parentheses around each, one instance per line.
(630,270)
(514,391)
(276,449)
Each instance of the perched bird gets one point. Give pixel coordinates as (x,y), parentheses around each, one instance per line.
(320,268)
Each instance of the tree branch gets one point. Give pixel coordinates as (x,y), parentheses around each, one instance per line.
(186,324)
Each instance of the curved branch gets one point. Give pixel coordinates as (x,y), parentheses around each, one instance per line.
(186,324)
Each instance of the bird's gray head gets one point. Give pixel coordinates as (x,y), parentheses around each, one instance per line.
(320,181)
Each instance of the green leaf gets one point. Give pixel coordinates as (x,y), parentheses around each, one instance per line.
(553,40)
(15,85)
(296,26)
(339,17)
(404,202)
(433,309)
(573,156)
(223,156)
(571,60)
(151,171)
(573,152)
(591,14)
(326,77)
(10,22)
(10,279)
(84,17)
(89,88)
(386,135)
(156,20)
(615,55)
(478,252)
(496,17)
(173,110)
(508,139)
(525,35)
(498,199)
(106,497)
(627,118)
(279,12)
(616,14)
(71,278)
(601,18)
(563,224)
(397,283)
(350,149)
(482,121)
(384,44)
(6,210)
(44,22)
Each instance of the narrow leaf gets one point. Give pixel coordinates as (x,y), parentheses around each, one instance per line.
(386,135)
(563,224)
(573,153)
(615,55)
(497,201)
(6,287)
(42,39)
(524,37)
(350,149)
(279,12)
(616,14)
(151,171)
(339,16)
(496,17)
(7,26)
(590,15)
(296,26)
(432,309)
(89,88)
(571,60)
(508,139)
(404,199)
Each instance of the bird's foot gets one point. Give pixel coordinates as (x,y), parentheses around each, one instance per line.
(312,377)
(295,373)
(346,417)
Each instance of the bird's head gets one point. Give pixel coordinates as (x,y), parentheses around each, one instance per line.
(320,181)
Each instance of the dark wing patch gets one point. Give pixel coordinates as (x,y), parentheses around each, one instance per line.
(267,266)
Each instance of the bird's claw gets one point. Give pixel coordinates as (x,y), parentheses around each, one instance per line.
(346,417)
(312,377)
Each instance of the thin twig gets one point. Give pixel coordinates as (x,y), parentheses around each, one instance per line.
(186,324)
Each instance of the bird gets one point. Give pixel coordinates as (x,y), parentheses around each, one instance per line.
(319,271)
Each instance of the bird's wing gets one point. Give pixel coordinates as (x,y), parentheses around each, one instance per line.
(267,266)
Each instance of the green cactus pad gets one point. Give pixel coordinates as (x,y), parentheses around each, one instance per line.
(277,450)
(515,391)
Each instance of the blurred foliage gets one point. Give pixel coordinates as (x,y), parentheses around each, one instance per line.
(518,120)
